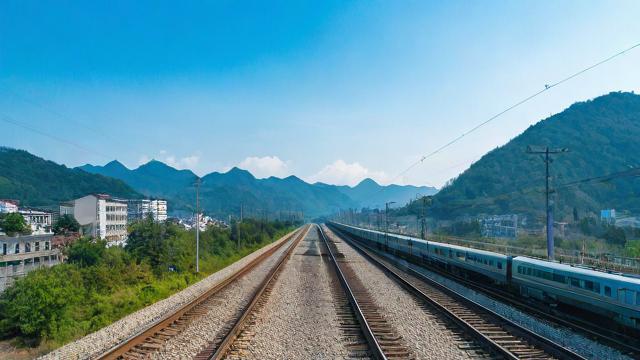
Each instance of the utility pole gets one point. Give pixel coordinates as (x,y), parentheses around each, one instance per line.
(549,208)
(386,220)
(423,230)
(198,225)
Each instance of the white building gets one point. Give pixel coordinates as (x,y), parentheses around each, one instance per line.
(8,206)
(139,209)
(100,216)
(39,221)
(159,210)
(22,254)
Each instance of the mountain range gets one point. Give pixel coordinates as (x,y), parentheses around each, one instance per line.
(598,170)
(226,193)
(40,183)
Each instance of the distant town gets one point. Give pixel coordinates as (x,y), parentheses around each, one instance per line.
(99,216)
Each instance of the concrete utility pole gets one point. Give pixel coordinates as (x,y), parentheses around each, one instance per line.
(423,223)
(198,225)
(549,209)
(386,220)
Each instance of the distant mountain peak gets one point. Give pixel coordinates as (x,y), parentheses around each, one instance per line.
(115,164)
(236,171)
(367,182)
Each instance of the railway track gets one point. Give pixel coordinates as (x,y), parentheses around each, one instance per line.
(628,344)
(143,344)
(502,337)
(237,339)
(383,340)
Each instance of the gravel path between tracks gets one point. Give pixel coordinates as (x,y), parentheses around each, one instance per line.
(221,312)
(426,337)
(568,338)
(100,341)
(299,320)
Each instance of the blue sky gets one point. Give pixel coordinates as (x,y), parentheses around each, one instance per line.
(331,91)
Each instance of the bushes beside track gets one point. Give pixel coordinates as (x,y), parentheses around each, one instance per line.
(99,285)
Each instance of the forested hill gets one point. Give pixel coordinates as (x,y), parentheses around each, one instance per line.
(603,137)
(38,182)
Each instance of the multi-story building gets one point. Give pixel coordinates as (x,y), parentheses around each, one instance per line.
(8,206)
(139,209)
(39,221)
(608,216)
(21,254)
(159,210)
(100,216)
(501,226)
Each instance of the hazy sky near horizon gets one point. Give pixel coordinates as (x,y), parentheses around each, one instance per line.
(331,91)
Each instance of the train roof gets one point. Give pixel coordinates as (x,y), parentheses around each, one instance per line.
(456,247)
(577,270)
(465,248)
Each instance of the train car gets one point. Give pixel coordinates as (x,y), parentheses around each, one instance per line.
(611,295)
(450,257)
(492,265)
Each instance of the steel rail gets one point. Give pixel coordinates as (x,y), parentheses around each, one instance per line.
(232,335)
(138,338)
(549,346)
(604,335)
(374,345)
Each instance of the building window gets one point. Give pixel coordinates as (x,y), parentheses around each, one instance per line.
(17,249)
(46,245)
(27,247)
(4,249)
(37,245)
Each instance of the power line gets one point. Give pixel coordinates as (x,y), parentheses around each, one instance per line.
(10,120)
(59,114)
(528,98)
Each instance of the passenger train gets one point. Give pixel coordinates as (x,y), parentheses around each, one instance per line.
(611,295)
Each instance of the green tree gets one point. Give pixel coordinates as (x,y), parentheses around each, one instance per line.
(14,223)
(86,252)
(38,305)
(66,224)
(615,235)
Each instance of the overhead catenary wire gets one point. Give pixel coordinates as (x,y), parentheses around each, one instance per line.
(547,87)
(485,200)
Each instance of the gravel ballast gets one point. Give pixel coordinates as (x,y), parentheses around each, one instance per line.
(299,319)
(566,337)
(222,311)
(100,341)
(425,336)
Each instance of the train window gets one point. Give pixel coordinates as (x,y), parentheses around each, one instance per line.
(460,255)
(529,271)
(519,269)
(499,265)
(559,278)
(574,282)
(607,291)
(588,285)
(628,296)
(638,298)
(592,286)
